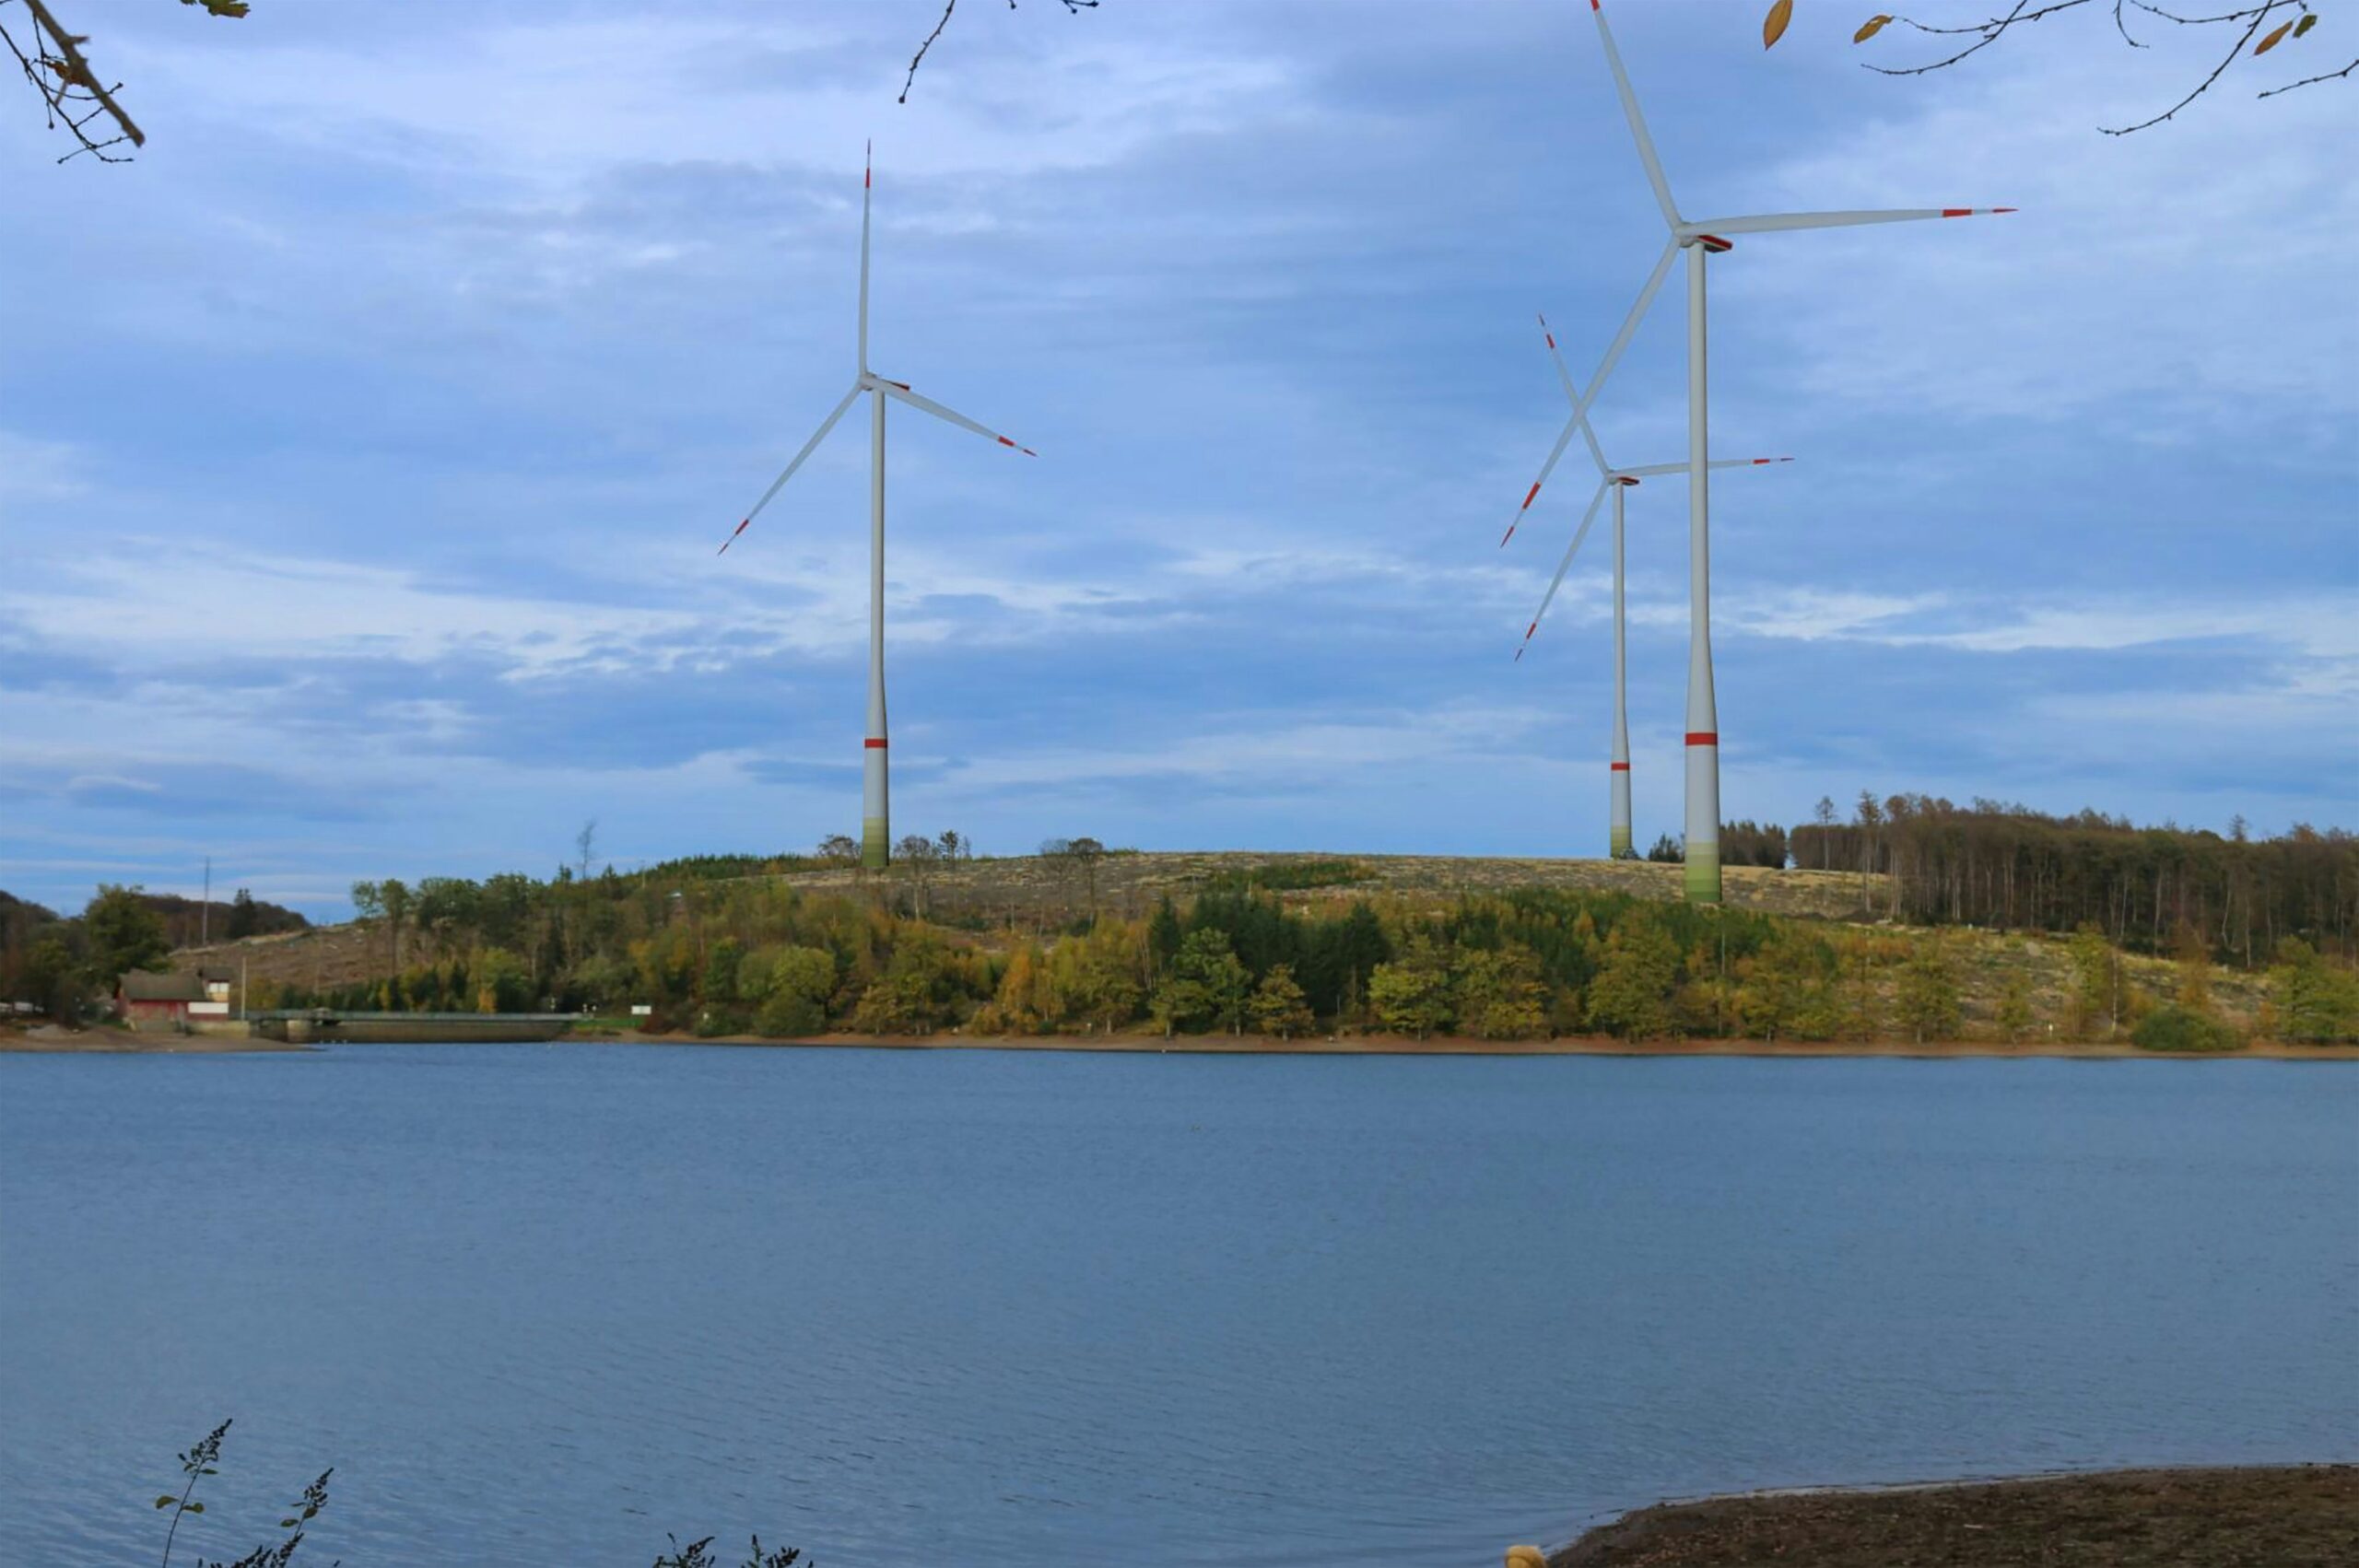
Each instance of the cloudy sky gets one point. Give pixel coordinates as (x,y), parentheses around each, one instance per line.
(364,446)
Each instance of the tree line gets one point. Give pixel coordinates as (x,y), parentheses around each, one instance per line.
(2007,867)
(60,965)
(753,955)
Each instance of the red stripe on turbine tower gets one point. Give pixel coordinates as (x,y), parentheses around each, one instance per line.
(875,742)
(1703,737)
(1619,767)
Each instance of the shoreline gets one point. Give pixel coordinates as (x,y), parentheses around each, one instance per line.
(2188,1517)
(1460,1044)
(48,1039)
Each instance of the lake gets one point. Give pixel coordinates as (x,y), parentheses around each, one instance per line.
(541,1305)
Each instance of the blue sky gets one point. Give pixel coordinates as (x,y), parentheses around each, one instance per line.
(364,446)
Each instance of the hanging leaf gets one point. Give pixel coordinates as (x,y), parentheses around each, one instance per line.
(166,1501)
(1869,28)
(2266,44)
(1773,26)
(2310,20)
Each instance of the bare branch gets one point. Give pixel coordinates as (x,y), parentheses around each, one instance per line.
(2259,15)
(2305,81)
(1072,8)
(915,60)
(74,84)
(2252,14)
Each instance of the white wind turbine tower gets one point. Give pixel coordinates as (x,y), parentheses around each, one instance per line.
(1709,237)
(875,833)
(1619,480)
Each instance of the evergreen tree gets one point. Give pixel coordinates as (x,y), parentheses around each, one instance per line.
(1278,1006)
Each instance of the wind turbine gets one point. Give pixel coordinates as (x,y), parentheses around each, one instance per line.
(1618,480)
(1699,239)
(876,832)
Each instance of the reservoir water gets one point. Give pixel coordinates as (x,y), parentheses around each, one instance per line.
(539,1306)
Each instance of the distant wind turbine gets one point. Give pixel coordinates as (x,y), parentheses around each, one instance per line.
(1618,480)
(875,831)
(1698,239)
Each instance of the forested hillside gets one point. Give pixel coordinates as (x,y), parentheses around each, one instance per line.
(2008,867)
(1284,949)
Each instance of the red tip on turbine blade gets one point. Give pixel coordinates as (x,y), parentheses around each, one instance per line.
(1027,451)
(1507,535)
(732,537)
(1006,442)
(1593,5)
(1958,211)
(2002,209)
(1528,495)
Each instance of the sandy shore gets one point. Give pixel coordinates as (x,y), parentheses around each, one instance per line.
(2291,1516)
(105,1040)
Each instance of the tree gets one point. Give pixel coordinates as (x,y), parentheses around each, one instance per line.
(1411,995)
(1928,993)
(1209,983)
(838,847)
(585,844)
(2014,1005)
(1667,850)
(1278,1006)
(51,978)
(1775,985)
(918,853)
(1631,995)
(1500,994)
(1825,817)
(2096,982)
(2311,1003)
(242,918)
(122,934)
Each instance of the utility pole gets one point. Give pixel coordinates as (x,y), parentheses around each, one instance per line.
(204,910)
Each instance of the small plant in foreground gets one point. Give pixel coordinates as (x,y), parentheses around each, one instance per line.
(203,1458)
(698,1554)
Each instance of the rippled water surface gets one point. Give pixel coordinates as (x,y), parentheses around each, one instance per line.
(541,1304)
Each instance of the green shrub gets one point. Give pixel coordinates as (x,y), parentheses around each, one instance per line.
(790,1015)
(2177,1028)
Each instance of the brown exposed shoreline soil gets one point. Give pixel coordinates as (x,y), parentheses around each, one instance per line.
(2294,1516)
(1460,1044)
(103,1039)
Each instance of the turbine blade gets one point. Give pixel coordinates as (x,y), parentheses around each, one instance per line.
(1638,121)
(1562,567)
(1764,223)
(776,485)
(894,388)
(1657,469)
(1597,382)
(1564,439)
(1596,453)
(867,179)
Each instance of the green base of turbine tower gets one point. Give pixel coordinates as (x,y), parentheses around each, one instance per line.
(876,845)
(1617,844)
(1703,874)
